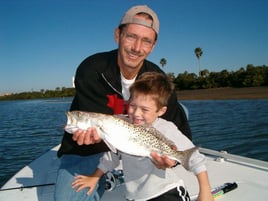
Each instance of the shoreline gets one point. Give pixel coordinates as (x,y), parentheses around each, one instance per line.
(223,93)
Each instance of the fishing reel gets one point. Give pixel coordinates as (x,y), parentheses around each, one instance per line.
(113,179)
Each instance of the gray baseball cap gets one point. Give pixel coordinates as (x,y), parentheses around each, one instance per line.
(129,17)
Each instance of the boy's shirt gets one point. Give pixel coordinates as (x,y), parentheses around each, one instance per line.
(143,180)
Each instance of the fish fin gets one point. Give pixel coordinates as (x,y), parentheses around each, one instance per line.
(102,135)
(123,117)
(111,147)
(186,157)
(148,127)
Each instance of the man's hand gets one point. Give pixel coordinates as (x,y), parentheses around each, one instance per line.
(86,137)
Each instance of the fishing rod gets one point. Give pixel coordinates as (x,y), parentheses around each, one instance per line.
(220,190)
(31,186)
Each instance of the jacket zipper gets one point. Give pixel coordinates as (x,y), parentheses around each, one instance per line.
(111,85)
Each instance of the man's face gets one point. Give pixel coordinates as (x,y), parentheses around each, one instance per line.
(135,43)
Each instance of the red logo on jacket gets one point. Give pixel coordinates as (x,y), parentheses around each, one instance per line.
(118,105)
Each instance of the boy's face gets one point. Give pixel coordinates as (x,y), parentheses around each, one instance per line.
(143,110)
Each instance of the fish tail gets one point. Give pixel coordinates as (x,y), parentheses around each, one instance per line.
(184,156)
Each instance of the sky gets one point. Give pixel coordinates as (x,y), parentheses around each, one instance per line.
(42,42)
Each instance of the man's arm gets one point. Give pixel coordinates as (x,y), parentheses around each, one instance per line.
(176,114)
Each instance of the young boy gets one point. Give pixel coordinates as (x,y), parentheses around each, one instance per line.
(143,180)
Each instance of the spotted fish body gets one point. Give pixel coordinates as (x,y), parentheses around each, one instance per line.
(121,135)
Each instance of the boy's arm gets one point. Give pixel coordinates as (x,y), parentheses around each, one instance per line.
(90,181)
(107,163)
(204,187)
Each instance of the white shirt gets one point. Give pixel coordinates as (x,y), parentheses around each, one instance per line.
(125,86)
(143,180)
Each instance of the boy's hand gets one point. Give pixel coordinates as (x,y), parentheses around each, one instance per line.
(82,182)
(162,162)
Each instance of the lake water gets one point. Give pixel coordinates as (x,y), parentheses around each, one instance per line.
(28,128)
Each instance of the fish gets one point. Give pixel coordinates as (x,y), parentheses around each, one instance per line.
(119,134)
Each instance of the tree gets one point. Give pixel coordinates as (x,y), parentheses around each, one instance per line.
(198,53)
(204,73)
(171,76)
(185,81)
(163,62)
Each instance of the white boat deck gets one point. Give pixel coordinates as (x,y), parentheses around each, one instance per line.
(35,182)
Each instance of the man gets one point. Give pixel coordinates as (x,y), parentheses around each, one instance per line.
(102,81)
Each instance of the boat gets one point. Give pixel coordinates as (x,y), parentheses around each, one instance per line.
(232,177)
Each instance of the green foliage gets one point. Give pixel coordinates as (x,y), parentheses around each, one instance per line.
(198,52)
(163,62)
(250,77)
(58,92)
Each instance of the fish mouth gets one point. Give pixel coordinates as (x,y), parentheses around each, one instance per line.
(70,128)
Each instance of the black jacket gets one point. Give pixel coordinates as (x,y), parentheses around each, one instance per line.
(98,89)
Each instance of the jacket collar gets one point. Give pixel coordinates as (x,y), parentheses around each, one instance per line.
(111,73)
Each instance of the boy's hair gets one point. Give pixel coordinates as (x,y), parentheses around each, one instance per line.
(155,84)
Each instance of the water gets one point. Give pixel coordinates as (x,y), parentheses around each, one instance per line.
(237,126)
(29,128)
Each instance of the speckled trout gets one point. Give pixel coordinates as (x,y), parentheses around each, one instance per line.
(121,135)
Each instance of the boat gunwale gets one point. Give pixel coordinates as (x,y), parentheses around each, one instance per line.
(241,160)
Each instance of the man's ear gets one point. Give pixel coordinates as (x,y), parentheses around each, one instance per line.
(162,111)
(116,35)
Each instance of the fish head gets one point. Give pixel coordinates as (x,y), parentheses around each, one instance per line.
(77,120)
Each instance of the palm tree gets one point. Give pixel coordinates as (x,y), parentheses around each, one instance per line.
(198,52)
(163,62)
